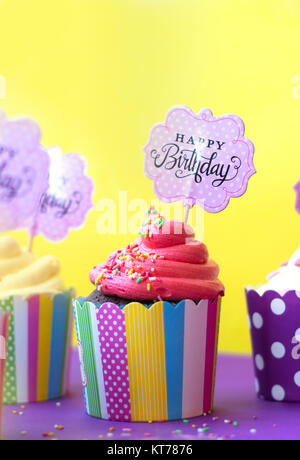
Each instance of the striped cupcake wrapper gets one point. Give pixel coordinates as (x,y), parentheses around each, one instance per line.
(38,349)
(4,323)
(141,364)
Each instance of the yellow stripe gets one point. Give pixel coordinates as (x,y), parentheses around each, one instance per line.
(146,362)
(45,320)
(130,359)
(151,366)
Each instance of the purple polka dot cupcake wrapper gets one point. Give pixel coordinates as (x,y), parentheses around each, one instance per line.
(274,322)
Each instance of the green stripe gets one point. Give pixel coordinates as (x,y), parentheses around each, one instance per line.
(86,336)
(69,318)
(10,378)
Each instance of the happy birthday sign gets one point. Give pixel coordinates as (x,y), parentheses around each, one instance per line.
(199,159)
(24,166)
(67,201)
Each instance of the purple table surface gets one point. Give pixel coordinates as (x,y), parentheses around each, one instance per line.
(235,401)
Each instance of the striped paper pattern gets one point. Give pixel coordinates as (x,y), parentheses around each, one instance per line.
(148,364)
(39,342)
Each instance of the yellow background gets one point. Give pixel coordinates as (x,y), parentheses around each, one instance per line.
(97,74)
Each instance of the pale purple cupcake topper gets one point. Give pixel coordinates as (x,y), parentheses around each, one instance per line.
(199,159)
(66,203)
(24,166)
(297,188)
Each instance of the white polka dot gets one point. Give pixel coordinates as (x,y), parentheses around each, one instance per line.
(256,383)
(277,350)
(259,362)
(297,334)
(278,306)
(257,320)
(278,393)
(297,378)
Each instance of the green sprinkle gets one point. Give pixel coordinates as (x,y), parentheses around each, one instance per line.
(178,431)
(139,280)
(160,224)
(206,429)
(235,424)
(185,421)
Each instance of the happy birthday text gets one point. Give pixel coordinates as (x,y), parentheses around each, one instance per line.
(190,162)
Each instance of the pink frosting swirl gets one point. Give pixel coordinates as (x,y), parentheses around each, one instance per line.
(165,262)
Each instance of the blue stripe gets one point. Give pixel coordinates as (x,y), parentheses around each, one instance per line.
(174,344)
(58,339)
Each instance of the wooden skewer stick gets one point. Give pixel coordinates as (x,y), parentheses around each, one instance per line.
(187,209)
(30,243)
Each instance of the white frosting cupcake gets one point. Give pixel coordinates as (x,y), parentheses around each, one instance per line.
(286,278)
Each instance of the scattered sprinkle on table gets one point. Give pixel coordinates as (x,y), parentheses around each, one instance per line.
(48,435)
(59,427)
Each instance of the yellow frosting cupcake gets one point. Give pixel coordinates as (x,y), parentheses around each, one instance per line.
(25,274)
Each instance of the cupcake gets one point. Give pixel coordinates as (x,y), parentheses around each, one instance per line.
(4,321)
(274,318)
(40,330)
(147,335)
